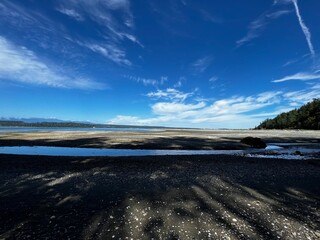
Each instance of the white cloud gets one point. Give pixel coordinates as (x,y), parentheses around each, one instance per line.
(234,112)
(130,120)
(238,105)
(302,76)
(21,65)
(172,108)
(71,13)
(200,65)
(304,28)
(170,94)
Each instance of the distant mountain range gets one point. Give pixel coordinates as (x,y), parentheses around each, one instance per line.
(33,120)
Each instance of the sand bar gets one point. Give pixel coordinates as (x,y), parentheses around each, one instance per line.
(168,139)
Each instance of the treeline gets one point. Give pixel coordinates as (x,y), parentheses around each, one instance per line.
(45,124)
(306,117)
(6,123)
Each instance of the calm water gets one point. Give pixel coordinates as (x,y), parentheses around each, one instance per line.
(270,152)
(67,151)
(39,129)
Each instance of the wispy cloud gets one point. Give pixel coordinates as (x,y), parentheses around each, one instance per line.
(39,26)
(170,94)
(21,65)
(102,13)
(207,16)
(304,28)
(15,14)
(266,97)
(297,98)
(71,13)
(302,76)
(213,79)
(114,29)
(184,2)
(110,51)
(277,14)
(256,27)
(290,62)
(201,64)
(275,2)
(147,81)
(180,82)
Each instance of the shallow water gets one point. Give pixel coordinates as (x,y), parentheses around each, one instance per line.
(273,147)
(272,151)
(288,151)
(67,151)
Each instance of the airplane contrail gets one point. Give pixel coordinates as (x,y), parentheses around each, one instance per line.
(304,27)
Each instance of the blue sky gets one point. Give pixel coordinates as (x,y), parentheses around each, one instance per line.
(187,63)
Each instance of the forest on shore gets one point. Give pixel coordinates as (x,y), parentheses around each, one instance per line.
(9,123)
(306,117)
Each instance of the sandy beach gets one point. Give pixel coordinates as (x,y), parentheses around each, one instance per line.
(166,139)
(160,197)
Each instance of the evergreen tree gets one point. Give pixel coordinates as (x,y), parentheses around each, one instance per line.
(306,117)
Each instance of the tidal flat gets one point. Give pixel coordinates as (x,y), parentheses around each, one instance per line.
(160,197)
(184,139)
